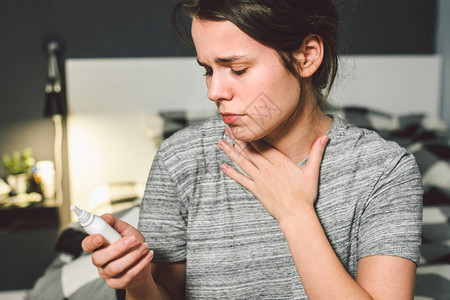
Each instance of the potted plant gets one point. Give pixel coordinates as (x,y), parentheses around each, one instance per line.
(18,167)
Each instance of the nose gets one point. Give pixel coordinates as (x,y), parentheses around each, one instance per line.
(219,88)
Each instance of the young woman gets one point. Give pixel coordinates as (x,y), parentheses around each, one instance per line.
(275,199)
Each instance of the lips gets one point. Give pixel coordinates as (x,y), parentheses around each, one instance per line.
(231,118)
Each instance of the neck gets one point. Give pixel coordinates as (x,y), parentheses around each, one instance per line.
(295,137)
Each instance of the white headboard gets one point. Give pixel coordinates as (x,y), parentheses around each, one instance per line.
(397,84)
(112,102)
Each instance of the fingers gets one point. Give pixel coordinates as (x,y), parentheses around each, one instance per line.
(122,227)
(270,153)
(259,151)
(238,177)
(316,154)
(251,153)
(118,266)
(123,262)
(113,251)
(239,145)
(124,279)
(92,242)
(95,241)
(243,162)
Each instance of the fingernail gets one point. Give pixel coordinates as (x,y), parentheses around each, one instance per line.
(228,131)
(129,241)
(98,240)
(143,247)
(150,254)
(324,140)
(222,143)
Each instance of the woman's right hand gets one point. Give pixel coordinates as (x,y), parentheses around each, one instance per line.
(125,263)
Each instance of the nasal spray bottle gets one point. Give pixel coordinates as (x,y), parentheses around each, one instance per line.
(93,224)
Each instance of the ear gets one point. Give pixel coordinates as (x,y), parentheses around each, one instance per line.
(310,55)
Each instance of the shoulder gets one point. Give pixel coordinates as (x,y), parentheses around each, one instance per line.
(363,157)
(353,144)
(368,173)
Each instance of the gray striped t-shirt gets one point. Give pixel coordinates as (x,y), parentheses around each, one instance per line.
(369,202)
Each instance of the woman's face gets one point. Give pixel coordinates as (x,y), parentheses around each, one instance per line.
(253,91)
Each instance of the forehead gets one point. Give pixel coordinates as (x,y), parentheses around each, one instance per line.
(222,38)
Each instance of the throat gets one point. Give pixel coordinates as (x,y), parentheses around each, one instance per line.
(296,143)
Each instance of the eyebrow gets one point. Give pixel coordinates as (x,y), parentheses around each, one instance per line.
(219,60)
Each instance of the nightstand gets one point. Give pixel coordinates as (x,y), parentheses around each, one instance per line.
(27,238)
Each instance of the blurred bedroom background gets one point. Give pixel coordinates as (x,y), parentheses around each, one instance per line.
(126,82)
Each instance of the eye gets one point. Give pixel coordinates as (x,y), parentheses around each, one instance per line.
(208,72)
(239,72)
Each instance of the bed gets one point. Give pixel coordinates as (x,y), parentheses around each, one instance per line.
(97,90)
(72,276)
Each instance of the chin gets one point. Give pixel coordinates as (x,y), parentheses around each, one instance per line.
(246,134)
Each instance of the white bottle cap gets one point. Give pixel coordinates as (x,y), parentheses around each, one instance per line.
(85,217)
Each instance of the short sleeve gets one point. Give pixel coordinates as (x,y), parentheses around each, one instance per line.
(162,217)
(391,223)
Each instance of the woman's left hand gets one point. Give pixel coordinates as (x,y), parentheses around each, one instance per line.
(281,186)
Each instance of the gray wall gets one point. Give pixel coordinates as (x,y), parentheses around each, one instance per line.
(388,27)
(443,47)
(86,29)
(142,29)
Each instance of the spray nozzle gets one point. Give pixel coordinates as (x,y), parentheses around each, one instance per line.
(76,210)
(82,215)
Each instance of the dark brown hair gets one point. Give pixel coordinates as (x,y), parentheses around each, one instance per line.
(280,24)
